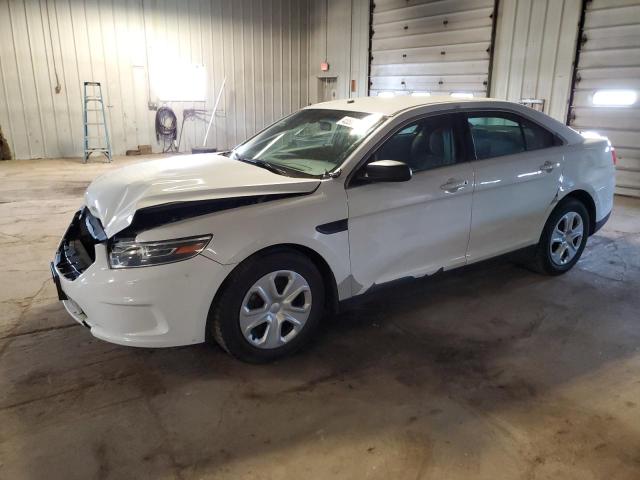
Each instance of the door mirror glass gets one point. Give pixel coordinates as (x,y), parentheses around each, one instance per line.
(388,171)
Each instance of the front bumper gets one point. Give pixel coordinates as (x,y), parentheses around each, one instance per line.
(156,306)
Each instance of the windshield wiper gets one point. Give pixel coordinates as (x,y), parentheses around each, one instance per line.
(261,163)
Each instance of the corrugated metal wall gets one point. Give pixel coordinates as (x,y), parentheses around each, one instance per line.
(534,52)
(437,47)
(610,59)
(260,45)
(339,35)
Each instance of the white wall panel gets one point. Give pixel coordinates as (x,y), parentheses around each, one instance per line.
(534,52)
(610,59)
(339,35)
(439,47)
(261,46)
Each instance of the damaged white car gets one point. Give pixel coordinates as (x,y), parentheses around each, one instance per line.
(250,248)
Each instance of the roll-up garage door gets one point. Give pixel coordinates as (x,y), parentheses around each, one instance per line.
(439,47)
(606,96)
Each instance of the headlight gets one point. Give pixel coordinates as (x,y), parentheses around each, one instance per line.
(127,254)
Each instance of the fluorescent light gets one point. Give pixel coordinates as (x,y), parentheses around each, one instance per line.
(462,95)
(615,98)
(420,94)
(386,94)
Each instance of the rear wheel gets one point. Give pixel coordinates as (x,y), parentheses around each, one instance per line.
(269,308)
(563,238)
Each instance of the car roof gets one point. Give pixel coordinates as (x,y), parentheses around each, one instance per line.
(393,105)
(390,106)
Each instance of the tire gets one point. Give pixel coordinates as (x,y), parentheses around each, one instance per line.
(552,257)
(259,292)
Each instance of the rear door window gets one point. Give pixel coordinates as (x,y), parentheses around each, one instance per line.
(496,134)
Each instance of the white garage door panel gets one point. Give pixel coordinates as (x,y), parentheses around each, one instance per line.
(586,118)
(610,59)
(611,37)
(457,21)
(455,53)
(607,15)
(417,69)
(600,4)
(440,47)
(627,158)
(430,83)
(628,77)
(628,180)
(443,39)
(393,10)
(627,57)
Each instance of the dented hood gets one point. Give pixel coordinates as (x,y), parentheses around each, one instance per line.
(115,196)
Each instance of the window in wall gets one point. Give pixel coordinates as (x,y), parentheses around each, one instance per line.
(614,98)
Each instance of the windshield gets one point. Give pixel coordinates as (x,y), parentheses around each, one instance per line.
(312,142)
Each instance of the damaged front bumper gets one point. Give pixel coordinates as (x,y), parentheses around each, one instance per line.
(157,306)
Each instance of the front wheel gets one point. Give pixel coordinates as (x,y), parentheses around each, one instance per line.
(269,308)
(563,238)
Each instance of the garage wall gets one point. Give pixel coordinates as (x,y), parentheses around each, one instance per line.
(132,47)
(609,59)
(339,36)
(534,52)
(425,46)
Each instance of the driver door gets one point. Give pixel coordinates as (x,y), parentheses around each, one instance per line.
(417,227)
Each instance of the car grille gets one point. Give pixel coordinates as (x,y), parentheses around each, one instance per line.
(77,251)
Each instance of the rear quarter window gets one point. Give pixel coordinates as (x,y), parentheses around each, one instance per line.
(537,137)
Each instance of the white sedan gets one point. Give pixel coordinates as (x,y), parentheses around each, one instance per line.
(251,248)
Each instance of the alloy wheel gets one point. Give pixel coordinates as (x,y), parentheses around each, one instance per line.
(275,309)
(566,238)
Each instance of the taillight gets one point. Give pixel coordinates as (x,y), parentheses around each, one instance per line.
(614,157)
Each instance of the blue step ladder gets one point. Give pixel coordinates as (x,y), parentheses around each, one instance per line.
(96,140)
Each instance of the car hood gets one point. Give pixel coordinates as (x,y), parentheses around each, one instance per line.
(114,197)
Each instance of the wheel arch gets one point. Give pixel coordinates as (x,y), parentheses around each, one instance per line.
(587,200)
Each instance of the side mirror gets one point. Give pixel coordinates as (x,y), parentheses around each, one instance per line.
(388,171)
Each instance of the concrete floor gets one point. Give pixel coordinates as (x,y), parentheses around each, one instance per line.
(492,372)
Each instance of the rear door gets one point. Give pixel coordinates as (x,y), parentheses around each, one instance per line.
(517,169)
(416,227)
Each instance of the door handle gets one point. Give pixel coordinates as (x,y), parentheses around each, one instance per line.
(547,166)
(454,185)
